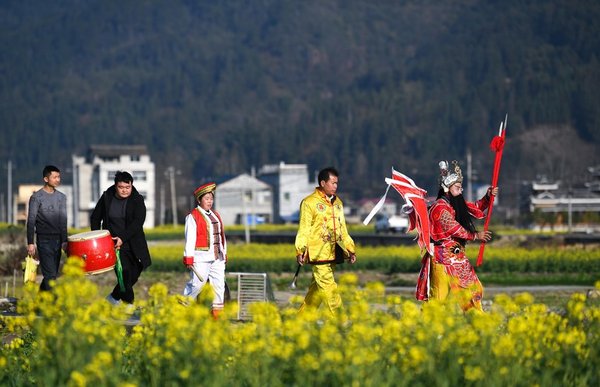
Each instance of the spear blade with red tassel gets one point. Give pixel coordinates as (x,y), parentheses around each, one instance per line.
(497,145)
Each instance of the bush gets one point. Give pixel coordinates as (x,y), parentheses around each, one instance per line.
(12,248)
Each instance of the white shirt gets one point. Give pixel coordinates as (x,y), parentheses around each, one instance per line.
(190,239)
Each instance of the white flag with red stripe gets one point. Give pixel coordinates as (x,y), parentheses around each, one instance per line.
(414,196)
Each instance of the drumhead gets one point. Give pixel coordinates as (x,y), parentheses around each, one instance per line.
(84,236)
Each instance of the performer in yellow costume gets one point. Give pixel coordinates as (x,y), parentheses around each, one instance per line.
(322,232)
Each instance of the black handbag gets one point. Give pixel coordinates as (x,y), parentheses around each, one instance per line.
(340,254)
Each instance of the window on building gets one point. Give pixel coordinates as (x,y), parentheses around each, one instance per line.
(139,175)
(264,197)
(111,175)
(135,157)
(287,196)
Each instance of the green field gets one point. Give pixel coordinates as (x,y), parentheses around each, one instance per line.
(502,264)
(508,262)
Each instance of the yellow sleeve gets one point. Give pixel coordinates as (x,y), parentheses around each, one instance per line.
(304,227)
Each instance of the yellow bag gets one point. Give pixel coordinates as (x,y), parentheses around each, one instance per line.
(30,269)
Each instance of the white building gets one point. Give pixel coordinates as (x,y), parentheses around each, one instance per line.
(24,194)
(551,197)
(244,197)
(94,173)
(290,184)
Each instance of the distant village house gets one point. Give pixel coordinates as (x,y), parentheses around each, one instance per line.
(95,172)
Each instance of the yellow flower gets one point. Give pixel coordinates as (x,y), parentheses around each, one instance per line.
(473,373)
(504,346)
(310,362)
(303,340)
(332,356)
(524,299)
(184,374)
(158,291)
(78,379)
(576,306)
(417,354)
(348,279)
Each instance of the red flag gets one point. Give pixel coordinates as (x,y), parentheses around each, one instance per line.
(419,220)
(497,146)
(415,197)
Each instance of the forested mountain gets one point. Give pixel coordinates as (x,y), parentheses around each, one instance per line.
(216,87)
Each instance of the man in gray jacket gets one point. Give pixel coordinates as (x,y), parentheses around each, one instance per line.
(47,220)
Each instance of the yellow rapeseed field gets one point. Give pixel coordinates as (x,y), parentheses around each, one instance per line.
(73,337)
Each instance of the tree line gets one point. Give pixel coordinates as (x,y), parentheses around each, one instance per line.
(218,87)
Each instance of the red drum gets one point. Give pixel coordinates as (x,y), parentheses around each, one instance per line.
(96,248)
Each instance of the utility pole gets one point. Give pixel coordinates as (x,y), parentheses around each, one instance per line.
(469,177)
(162,204)
(252,214)
(2,212)
(570,209)
(252,198)
(75,194)
(245,215)
(171,173)
(9,196)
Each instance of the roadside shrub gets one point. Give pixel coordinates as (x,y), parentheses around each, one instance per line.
(12,248)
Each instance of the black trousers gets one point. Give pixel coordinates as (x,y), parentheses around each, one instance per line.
(132,268)
(49,253)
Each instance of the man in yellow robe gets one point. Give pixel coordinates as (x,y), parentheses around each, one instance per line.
(322,232)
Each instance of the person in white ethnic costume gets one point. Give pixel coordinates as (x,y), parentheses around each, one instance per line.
(205,251)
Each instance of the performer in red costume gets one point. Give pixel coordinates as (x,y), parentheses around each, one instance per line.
(451,226)
(443,232)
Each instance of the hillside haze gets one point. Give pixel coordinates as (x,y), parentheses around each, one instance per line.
(217,87)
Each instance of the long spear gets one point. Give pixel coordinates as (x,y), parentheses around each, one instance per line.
(497,145)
